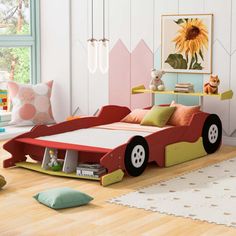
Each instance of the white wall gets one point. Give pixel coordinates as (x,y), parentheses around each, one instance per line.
(55,53)
(89,92)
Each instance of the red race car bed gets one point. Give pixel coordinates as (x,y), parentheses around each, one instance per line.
(119,146)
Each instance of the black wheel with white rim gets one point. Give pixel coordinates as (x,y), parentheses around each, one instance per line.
(212,133)
(136,156)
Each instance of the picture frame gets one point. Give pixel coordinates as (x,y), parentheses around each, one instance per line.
(186,43)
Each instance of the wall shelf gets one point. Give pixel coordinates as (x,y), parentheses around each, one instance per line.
(222,96)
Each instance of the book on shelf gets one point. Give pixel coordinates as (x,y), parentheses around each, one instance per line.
(90,174)
(184,84)
(178,86)
(184,88)
(88,165)
(92,167)
(184,91)
(181,90)
(93,170)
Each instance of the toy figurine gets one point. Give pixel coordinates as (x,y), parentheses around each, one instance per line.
(212,86)
(156,83)
(54,163)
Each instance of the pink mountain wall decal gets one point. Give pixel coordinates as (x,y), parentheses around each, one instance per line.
(141,66)
(119,75)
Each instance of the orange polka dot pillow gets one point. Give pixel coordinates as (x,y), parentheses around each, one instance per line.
(31,103)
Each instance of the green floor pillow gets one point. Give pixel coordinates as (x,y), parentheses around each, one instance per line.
(59,198)
(2,181)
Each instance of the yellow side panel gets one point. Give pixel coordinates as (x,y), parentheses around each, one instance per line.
(183,151)
(226,95)
(111,178)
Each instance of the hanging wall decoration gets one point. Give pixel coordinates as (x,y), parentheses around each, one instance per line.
(187,43)
(104,48)
(92,48)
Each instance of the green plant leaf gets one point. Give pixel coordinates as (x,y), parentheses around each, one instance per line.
(201,55)
(191,63)
(177,61)
(179,21)
(197,66)
(196,58)
(186,55)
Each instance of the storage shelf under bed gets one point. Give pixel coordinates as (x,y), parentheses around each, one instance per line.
(37,167)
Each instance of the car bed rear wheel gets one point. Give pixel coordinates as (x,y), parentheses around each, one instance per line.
(212,133)
(136,156)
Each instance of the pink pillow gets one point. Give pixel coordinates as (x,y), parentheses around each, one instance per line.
(135,116)
(31,103)
(182,114)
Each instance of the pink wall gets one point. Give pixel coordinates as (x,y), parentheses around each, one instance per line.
(119,75)
(141,66)
(128,70)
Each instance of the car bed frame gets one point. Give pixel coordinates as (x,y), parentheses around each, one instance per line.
(167,147)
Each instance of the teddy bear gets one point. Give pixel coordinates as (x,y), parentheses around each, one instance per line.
(212,86)
(156,84)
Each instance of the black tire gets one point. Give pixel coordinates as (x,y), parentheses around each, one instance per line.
(136,156)
(212,133)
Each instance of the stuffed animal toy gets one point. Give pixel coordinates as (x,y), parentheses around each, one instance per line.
(212,86)
(156,83)
(2,181)
(54,163)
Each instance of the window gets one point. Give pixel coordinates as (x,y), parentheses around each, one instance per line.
(19,40)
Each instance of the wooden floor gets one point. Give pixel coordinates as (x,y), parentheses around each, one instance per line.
(20,214)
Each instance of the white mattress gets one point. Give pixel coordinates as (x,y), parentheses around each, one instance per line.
(103,136)
(95,137)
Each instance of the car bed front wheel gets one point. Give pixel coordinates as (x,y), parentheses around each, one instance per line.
(212,133)
(136,156)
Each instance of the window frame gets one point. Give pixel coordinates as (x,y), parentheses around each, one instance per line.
(32,41)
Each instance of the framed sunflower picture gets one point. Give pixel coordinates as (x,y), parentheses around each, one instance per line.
(187,43)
